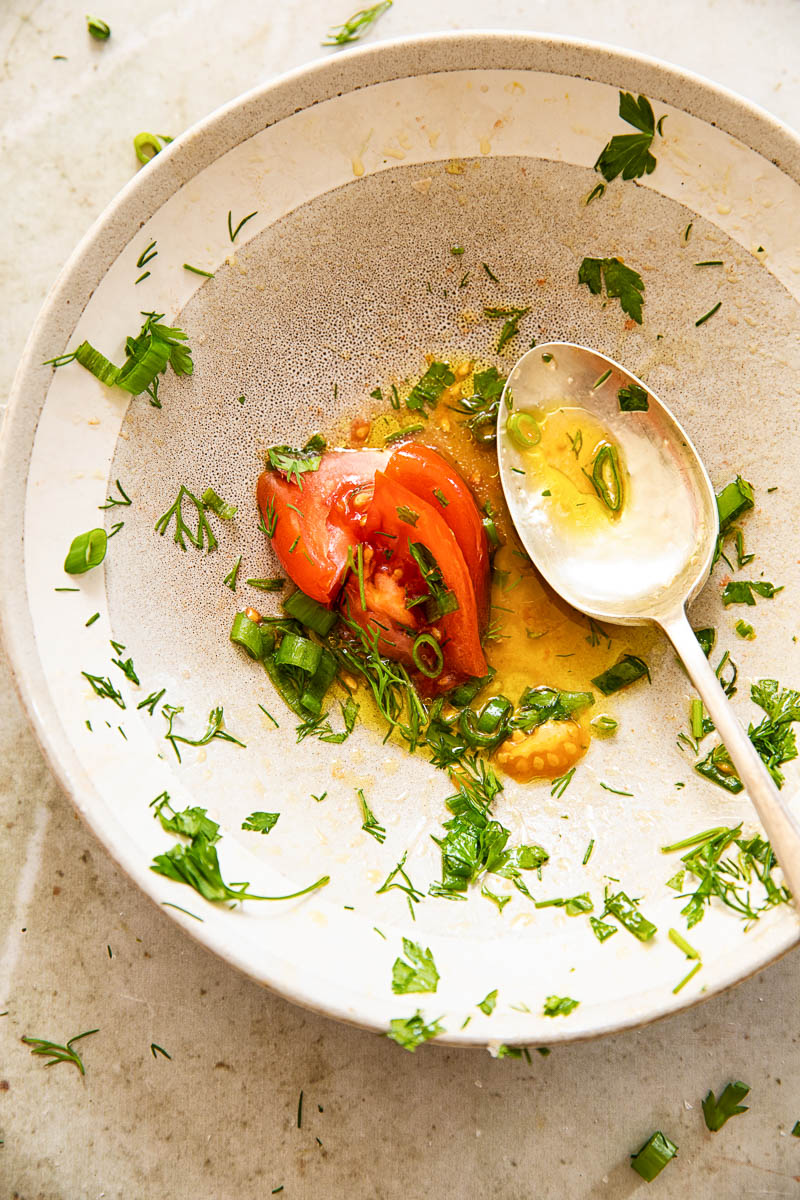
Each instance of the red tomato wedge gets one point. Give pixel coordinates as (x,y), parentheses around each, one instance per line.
(425,473)
(389,535)
(319,519)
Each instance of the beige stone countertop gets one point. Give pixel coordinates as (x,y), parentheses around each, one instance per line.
(80,947)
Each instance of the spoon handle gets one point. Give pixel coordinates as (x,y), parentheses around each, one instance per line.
(780,824)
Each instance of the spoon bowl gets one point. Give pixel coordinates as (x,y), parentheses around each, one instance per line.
(658,550)
(616,510)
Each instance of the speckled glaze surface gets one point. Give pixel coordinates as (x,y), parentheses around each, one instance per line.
(363,172)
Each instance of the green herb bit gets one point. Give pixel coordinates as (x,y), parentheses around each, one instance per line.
(717,1112)
(490,272)
(654,1155)
(233,232)
(148,145)
(355,26)
(112,501)
(602,929)
(94,617)
(707,638)
(426,392)
(86,551)
(624,672)
(104,688)
(155,1050)
(190,822)
(682,983)
(261,822)
(198,271)
(419,974)
(142,277)
(504,1051)
(198,866)
(214,730)
(404,432)
(796,1129)
(621,283)
(398,878)
(151,701)
(56,1052)
(744,630)
(202,537)
(511,318)
(560,785)
(707,316)
(99,30)
(740,591)
(602,379)
(371,824)
(488,1003)
(410,1032)
(606,477)
(629,154)
(559,1006)
(627,913)
(710,262)
(633,399)
(127,668)
(588,853)
(230,579)
(679,940)
(597,191)
(483,406)
(267,585)
(457,251)
(295,463)
(501,901)
(147,255)
(604,725)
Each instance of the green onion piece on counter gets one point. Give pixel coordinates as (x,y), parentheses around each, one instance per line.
(627,670)
(606,477)
(99,30)
(432,670)
(211,500)
(603,725)
(248,634)
(300,652)
(147,146)
(523,430)
(309,613)
(717,1111)
(653,1156)
(87,550)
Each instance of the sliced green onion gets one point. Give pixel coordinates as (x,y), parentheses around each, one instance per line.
(627,913)
(680,941)
(97,363)
(654,1155)
(87,550)
(309,613)
(248,635)
(426,641)
(494,712)
(142,367)
(624,672)
(604,725)
(300,652)
(523,430)
(406,431)
(211,500)
(465,693)
(267,585)
(606,477)
(696,718)
(144,142)
(314,692)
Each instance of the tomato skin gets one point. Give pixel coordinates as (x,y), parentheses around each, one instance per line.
(387,531)
(330,525)
(423,471)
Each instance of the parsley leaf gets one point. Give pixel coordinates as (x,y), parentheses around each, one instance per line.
(291,462)
(410,1032)
(429,388)
(487,1004)
(622,283)
(629,154)
(559,1006)
(717,1112)
(261,822)
(483,405)
(740,591)
(419,974)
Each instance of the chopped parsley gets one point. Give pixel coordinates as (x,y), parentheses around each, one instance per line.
(488,1003)
(295,463)
(624,672)
(559,1006)
(629,154)
(261,822)
(740,591)
(633,399)
(718,1111)
(429,388)
(419,974)
(410,1032)
(621,283)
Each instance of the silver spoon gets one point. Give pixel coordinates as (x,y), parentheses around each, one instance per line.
(644,562)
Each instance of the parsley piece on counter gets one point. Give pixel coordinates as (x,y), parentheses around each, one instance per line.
(633,399)
(621,283)
(202,538)
(504,1051)
(355,26)
(511,318)
(99,30)
(427,390)
(214,730)
(371,824)
(773,737)
(487,1004)
(233,232)
(559,1006)
(190,822)
(419,974)
(624,672)
(261,822)
(740,591)
(654,1155)
(718,1111)
(104,688)
(56,1052)
(410,1032)
(629,154)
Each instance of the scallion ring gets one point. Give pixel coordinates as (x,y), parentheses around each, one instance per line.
(144,143)
(494,713)
(427,641)
(248,635)
(523,430)
(310,613)
(87,550)
(300,652)
(607,478)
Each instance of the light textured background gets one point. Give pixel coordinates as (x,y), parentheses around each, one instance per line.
(219,1119)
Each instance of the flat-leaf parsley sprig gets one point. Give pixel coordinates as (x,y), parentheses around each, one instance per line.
(629,154)
(621,283)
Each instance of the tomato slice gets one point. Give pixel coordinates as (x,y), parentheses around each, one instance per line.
(425,473)
(389,535)
(319,518)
